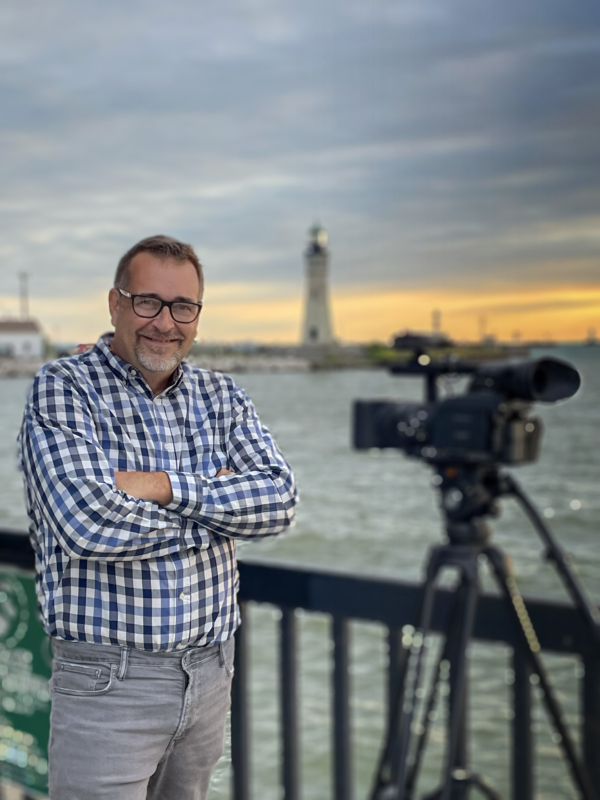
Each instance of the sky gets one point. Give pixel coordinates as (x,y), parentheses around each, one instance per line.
(449,147)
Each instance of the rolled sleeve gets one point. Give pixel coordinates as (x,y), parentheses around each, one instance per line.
(188,492)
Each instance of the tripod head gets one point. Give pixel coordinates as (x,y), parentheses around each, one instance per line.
(468,495)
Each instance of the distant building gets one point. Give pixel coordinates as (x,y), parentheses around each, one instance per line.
(21,338)
(317,329)
(421,341)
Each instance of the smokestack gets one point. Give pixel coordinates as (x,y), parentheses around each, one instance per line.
(24,294)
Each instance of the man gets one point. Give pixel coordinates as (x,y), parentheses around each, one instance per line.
(141,472)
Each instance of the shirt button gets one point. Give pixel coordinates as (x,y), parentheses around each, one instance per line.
(169,446)
(182,596)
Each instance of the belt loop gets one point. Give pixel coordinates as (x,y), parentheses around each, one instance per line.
(221,655)
(123,663)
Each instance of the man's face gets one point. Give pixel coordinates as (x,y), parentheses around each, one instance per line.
(154,346)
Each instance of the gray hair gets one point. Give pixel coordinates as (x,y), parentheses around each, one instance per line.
(162,247)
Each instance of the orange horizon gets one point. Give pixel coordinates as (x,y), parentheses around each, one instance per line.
(272,313)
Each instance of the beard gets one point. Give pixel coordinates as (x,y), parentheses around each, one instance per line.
(157,362)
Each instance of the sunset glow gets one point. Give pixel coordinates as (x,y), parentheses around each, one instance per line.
(272,313)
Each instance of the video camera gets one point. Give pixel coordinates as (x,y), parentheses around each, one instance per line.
(465,439)
(490,424)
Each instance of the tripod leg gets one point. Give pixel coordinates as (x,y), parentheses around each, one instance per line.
(388,767)
(485,788)
(455,755)
(422,735)
(463,785)
(456,776)
(398,738)
(532,649)
(587,608)
(451,633)
(408,710)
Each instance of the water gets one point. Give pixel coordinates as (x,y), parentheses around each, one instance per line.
(378,514)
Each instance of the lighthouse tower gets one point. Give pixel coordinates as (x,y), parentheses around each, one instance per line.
(317,319)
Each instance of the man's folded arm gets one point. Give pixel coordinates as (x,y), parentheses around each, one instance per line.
(257,500)
(73,486)
(153,486)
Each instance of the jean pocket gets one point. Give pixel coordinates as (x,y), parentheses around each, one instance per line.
(84,679)
(228,656)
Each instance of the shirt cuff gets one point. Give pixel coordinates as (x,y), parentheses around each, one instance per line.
(188,491)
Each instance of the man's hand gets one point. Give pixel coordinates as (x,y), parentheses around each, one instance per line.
(222,472)
(153,486)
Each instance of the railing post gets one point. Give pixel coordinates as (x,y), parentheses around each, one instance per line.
(240,720)
(289,705)
(591,718)
(342,765)
(522,738)
(396,659)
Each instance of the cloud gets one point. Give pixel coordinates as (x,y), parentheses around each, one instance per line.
(444,144)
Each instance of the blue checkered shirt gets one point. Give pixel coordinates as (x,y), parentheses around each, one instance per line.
(112,569)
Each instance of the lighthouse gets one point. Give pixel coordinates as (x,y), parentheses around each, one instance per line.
(317,328)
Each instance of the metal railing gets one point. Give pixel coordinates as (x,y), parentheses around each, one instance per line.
(393,603)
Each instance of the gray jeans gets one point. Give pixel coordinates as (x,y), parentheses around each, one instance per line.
(131,725)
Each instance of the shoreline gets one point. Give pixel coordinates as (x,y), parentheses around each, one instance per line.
(288,360)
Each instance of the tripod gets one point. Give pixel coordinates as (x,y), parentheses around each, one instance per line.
(468,494)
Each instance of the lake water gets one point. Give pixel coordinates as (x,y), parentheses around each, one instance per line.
(378,514)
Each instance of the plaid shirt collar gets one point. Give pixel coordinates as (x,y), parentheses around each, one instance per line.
(128,374)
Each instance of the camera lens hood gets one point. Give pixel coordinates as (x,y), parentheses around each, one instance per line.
(543,379)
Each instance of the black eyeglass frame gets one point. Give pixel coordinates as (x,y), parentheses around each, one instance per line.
(163,303)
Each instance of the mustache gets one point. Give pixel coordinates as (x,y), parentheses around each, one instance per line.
(162,336)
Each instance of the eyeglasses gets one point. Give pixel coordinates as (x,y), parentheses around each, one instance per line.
(150,307)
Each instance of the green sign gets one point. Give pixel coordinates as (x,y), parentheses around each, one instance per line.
(24,697)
